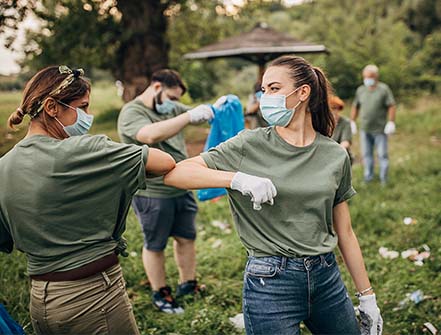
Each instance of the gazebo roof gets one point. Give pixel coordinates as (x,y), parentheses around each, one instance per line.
(260,45)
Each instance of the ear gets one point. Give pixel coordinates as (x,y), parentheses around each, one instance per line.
(157,86)
(305,92)
(50,106)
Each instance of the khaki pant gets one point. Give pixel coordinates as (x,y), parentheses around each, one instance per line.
(95,305)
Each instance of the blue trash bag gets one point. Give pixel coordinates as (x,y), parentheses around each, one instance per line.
(228,122)
(7,324)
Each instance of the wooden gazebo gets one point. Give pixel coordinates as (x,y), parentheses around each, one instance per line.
(260,45)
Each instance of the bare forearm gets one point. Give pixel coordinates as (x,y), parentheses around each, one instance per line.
(354,113)
(351,252)
(160,131)
(392,110)
(190,175)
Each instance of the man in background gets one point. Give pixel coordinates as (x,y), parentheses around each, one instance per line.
(375,103)
(156,118)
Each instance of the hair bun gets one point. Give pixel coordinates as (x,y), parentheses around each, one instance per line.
(20,112)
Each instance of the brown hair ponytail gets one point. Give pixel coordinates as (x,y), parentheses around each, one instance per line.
(16,118)
(322,119)
(43,85)
(303,73)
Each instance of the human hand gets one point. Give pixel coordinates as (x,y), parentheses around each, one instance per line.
(261,190)
(200,114)
(371,320)
(389,129)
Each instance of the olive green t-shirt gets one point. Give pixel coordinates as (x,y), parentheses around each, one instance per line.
(309,180)
(135,115)
(373,106)
(342,131)
(64,202)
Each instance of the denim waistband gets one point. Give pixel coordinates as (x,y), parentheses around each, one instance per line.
(300,263)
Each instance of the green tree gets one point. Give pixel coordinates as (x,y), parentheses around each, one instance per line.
(368,32)
(423,16)
(127,37)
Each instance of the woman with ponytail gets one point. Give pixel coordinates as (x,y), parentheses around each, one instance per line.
(64,198)
(291,274)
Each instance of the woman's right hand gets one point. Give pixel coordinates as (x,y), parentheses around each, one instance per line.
(261,190)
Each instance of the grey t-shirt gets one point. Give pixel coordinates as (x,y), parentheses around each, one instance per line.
(64,202)
(342,131)
(310,181)
(373,106)
(135,115)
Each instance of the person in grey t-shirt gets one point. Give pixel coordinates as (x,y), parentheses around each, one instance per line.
(291,274)
(375,103)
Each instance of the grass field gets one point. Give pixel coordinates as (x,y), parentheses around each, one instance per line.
(377,213)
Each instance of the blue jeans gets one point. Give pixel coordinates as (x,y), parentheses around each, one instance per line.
(368,142)
(280,292)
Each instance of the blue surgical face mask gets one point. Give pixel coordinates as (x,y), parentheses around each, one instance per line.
(369,82)
(274,110)
(82,124)
(166,107)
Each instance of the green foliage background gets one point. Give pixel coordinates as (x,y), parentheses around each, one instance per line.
(403,37)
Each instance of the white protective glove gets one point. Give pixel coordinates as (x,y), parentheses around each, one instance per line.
(200,114)
(261,190)
(371,320)
(389,129)
(219,102)
(353,127)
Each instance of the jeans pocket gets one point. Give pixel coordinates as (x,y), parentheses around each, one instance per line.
(328,260)
(260,268)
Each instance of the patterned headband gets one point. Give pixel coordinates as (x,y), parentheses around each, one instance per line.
(71,76)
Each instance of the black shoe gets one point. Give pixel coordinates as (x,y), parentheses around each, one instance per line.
(164,301)
(190,287)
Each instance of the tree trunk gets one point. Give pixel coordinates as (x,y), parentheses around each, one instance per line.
(144,46)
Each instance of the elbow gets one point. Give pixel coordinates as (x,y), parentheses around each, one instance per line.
(346,234)
(146,138)
(171,164)
(159,163)
(168,165)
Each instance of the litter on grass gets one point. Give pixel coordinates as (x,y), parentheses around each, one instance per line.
(431,328)
(415,297)
(216,244)
(237,321)
(389,254)
(416,255)
(225,227)
(409,221)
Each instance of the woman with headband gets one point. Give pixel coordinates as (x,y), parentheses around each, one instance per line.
(64,198)
(291,274)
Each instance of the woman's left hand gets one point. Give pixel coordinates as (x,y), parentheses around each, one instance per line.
(371,320)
